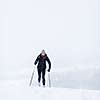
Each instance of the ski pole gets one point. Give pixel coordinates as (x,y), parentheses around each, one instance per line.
(32,77)
(49,79)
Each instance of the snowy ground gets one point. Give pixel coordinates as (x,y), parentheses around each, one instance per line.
(67,84)
(31,93)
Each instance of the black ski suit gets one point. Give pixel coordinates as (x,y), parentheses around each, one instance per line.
(41,67)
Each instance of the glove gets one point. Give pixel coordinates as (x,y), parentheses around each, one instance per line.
(35,63)
(48,70)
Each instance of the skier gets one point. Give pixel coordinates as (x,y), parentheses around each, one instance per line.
(41,67)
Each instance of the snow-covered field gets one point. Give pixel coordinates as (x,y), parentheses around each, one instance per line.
(13,92)
(69,32)
(67,84)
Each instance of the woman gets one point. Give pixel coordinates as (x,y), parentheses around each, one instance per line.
(41,67)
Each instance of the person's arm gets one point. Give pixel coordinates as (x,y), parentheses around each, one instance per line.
(36,61)
(48,60)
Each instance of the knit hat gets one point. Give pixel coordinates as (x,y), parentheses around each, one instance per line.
(43,52)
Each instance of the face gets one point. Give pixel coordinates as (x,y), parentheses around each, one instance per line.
(43,54)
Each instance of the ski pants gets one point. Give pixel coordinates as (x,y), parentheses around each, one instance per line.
(41,72)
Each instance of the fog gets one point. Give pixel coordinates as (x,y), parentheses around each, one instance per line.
(67,29)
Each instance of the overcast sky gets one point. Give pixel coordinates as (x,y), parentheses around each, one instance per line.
(67,29)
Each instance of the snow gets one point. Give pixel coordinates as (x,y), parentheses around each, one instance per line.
(69,32)
(15,86)
(32,93)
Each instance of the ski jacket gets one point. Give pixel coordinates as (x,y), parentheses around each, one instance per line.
(41,60)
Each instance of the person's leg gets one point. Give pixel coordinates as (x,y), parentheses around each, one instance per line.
(39,75)
(43,76)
